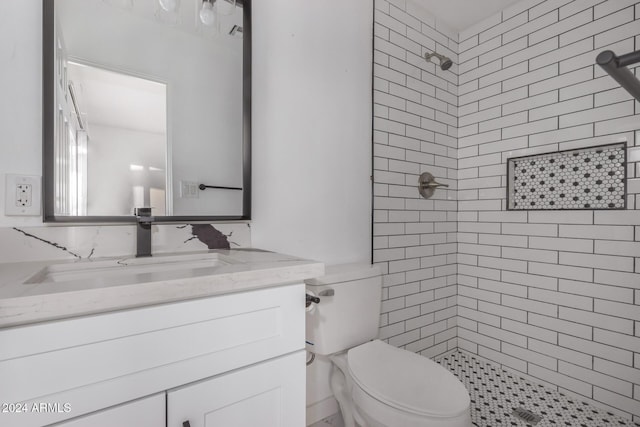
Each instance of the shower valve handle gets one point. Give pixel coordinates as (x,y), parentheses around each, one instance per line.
(427,185)
(433,184)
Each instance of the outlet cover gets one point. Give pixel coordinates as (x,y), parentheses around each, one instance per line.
(189,189)
(22,195)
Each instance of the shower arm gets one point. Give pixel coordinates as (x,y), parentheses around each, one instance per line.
(428,56)
(616,66)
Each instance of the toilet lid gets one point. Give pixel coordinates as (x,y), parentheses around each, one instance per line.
(406,380)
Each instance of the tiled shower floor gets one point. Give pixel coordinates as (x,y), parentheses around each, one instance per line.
(495,394)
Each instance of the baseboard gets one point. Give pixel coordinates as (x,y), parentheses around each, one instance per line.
(320,410)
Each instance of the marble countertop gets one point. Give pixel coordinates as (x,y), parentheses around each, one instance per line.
(23,303)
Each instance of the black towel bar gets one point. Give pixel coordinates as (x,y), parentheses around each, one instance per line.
(204,187)
(616,66)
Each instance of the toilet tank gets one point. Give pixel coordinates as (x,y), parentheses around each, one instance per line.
(349,317)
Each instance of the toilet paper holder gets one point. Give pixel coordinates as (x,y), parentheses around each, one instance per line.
(427,185)
(313,299)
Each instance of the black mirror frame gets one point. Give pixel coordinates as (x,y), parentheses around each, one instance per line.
(48,135)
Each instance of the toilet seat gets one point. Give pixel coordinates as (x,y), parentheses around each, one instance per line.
(407,381)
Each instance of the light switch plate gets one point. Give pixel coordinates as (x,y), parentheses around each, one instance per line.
(22,195)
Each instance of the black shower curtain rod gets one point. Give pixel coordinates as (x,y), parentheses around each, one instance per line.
(616,66)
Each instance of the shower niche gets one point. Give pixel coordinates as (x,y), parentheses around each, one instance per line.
(591,178)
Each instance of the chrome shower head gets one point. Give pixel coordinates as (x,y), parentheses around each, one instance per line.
(445,63)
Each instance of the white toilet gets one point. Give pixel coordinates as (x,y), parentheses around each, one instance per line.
(376,384)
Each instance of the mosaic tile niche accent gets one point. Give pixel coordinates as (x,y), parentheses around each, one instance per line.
(586,178)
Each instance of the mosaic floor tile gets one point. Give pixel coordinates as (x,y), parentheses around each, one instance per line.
(495,394)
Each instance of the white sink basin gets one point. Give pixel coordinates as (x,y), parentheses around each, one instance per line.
(170,265)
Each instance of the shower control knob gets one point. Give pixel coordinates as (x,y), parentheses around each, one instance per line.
(427,185)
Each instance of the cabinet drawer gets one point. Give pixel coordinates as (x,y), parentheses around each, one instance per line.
(100,361)
(147,412)
(268,394)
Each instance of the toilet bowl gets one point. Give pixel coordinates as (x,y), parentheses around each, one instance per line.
(376,384)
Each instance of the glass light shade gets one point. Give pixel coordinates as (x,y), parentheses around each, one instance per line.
(207,15)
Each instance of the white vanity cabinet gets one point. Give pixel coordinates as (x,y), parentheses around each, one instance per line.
(145,412)
(235,359)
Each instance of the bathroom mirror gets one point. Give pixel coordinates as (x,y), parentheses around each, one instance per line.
(146,103)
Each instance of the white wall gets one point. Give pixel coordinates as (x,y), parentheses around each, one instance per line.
(312,136)
(312,128)
(21,100)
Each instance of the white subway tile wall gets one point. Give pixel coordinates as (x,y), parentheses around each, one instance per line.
(561,294)
(552,295)
(415,131)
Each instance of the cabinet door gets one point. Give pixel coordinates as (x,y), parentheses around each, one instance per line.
(146,412)
(267,394)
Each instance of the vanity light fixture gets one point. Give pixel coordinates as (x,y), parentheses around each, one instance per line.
(207,14)
(211,9)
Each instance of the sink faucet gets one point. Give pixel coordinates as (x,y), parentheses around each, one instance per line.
(143,231)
